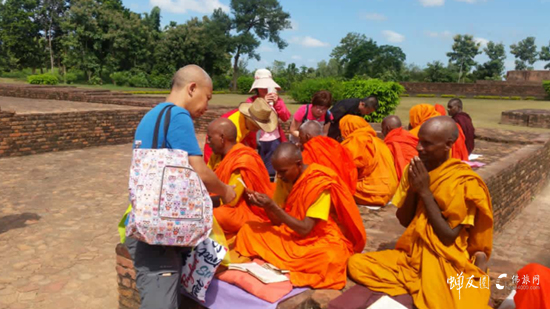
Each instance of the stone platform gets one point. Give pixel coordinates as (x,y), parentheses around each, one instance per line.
(535,118)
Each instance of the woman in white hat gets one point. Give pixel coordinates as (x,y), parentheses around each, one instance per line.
(266,88)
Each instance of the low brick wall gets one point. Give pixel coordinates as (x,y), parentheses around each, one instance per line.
(28,134)
(532,76)
(473,89)
(536,118)
(513,182)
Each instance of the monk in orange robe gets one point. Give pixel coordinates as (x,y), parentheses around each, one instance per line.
(420,113)
(401,143)
(440,109)
(446,208)
(249,119)
(315,225)
(326,151)
(240,166)
(377,178)
(534,292)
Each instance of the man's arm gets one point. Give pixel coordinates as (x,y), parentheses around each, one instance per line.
(278,216)
(212,183)
(405,214)
(420,183)
(294,127)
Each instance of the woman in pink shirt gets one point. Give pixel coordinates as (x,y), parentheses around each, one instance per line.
(266,88)
(316,111)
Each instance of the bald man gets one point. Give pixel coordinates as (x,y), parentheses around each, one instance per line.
(401,143)
(241,167)
(326,151)
(446,210)
(314,223)
(159,268)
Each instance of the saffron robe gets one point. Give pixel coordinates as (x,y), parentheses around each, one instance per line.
(402,145)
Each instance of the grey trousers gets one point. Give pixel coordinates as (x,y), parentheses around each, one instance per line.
(158,273)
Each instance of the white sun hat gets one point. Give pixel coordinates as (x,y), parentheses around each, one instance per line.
(263,80)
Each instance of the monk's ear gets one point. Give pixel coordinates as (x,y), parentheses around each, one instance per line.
(449,144)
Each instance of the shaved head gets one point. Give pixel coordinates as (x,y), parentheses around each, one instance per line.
(309,130)
(436,138)
(190,74)
(287,161)
(389,123)
(454,106)
(222,136)
(287,152)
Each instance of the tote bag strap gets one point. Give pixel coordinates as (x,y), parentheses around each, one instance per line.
(168,110)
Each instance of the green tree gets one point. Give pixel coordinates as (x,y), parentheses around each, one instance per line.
(347,45)
(20,33)
(278,67)
(465,49)
(330,69)
(254,21)
(413,73)
(545,55)
(388,63)
(436,72)
(494,68)
(526,53)
(51,14)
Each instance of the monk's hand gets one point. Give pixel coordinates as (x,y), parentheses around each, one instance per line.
(419,177)
(261,200)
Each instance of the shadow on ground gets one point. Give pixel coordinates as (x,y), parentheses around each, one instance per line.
(17,221)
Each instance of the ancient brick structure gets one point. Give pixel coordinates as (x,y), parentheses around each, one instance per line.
(535,77)
(473,89)
(536,118)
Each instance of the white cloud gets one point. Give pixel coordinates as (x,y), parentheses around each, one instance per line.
(296,57)
(182,6)
(483,42)
(441,35)
(294,25)
(308,41)
(375,17)
(432,2)
(393,36)
(265,49)
(310,60)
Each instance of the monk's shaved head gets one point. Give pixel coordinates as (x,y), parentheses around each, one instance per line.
(309,130)
(223,126)
(442,126)
(222,136)
(389,123)
(287,152)
(188,74)
(435,140)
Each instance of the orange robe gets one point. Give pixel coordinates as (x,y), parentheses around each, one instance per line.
(440,109)
(377,178)
(421,265)
(421,113)
(533,294)
(328,152)
(402,145)
(319,259)
(249,164)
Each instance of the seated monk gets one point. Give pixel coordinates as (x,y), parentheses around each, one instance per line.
(315,228)
(239,163)
(447,211)
(249,119)
(326,151)
(420,113)
(377,178)
(533,287)
(401,143)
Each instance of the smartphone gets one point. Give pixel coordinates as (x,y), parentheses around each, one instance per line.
(271,90)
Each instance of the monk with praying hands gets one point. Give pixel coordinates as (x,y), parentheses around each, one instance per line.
(326,151)
(315,225)
(241,167)
(447,211)
(377,178)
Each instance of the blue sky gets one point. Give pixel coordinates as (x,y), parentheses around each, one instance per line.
(422,28)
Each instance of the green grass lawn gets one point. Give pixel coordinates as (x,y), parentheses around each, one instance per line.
(484,113)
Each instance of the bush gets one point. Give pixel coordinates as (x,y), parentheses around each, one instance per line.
(138,80)
(505,98)
(450,96)
(487,97)
(546,85)
(160,81)
(244,83)
(387,93)
(461,96)
(303,91)
(283,82)
(221,82)
(425,95)
(120,78)
(530,98)
(404,95)
(17,74)
(70,78)
(43,79)
(515,98)
(95,80)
